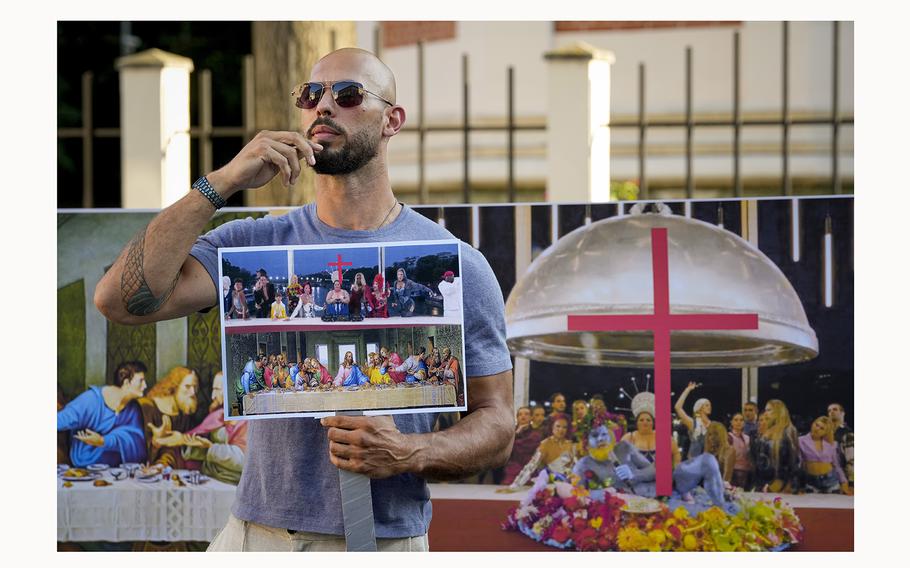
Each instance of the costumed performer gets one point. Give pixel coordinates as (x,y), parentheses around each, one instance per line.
(644,438)
(306,305)
(377,299)
(294,289)
(358,288)
(775,451)
(238,305)
(820,463)
(623,467)
(555,453)
(527,439)
(337,300)
(450,288)
(404,291)
(278,310)
(740,441)
(697,426)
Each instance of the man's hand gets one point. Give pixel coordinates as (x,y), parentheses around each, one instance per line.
(624,472)
(90,437)
(266,155)
(371,445)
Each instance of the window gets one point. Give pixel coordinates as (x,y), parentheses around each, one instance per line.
(322,353)
(372,348)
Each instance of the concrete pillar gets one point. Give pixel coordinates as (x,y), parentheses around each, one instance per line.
(154,128)
(522,370)
(578,118)
(749,226)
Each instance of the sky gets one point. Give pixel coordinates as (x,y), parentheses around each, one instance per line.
(310,261)
(397,253)
(275,262)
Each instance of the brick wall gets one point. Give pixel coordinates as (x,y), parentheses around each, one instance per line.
(396,34)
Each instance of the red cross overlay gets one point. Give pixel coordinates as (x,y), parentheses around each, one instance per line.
(661,323)
(339,264)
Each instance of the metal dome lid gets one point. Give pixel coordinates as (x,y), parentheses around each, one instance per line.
(606,268)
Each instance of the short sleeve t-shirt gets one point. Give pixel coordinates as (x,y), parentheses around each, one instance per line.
(288,480)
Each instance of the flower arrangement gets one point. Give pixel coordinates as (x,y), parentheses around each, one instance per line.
(565,515)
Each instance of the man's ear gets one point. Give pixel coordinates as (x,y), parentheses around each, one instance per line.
(395,121)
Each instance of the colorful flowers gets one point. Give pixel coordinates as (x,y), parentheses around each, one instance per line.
(577,520)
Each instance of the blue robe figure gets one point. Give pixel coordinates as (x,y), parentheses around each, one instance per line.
(124,436)
(357,378)
(413,377)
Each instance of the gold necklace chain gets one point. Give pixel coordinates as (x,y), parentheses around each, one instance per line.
(387,215)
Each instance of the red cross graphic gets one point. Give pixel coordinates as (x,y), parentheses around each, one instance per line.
(661,323)
(339,264)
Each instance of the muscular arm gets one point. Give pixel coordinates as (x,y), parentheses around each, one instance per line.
(154,278)
(479,441)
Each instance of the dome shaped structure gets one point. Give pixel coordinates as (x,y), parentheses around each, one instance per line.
(606,268)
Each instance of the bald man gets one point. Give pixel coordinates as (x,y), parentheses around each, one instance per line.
(348,114)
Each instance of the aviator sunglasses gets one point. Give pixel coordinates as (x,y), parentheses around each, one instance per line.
(346,94)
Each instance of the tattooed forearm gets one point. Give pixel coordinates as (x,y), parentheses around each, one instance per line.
(137,296)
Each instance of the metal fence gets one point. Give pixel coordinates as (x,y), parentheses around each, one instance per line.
(205,131)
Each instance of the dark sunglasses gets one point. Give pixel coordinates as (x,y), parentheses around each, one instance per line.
(346,94)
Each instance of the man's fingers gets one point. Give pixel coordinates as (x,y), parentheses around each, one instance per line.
(306,149)
(344,436)
(278,159)
(290,154)
(346,422)
(346,464)
(345,450)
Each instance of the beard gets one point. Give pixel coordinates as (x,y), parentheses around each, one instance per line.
(186,404)
(601,453)
(348,158)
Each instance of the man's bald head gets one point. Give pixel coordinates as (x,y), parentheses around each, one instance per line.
(356,64)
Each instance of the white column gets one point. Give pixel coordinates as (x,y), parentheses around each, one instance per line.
(578,118)
(522,370)
(521,375)
(749,224)
(154,128)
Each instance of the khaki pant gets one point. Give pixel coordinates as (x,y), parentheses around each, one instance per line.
(244,536)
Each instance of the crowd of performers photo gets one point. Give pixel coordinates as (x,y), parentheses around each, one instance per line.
(125,422)
(358,301)
(383,370)
(761,451)
(594,479)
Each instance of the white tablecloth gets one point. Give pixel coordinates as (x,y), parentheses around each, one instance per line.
(129,510)
(278,401)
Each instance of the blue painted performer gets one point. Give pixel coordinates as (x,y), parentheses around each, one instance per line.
(625,468)
(107,421)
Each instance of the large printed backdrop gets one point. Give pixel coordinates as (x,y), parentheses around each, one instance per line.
(89,347)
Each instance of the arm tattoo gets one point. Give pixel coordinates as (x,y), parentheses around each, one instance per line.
(135,290)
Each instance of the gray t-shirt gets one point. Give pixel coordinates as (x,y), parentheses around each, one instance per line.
(288,480)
